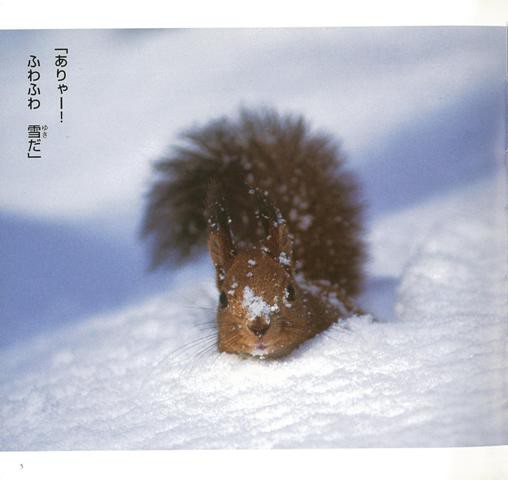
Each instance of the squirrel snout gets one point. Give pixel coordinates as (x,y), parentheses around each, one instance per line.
(259,326)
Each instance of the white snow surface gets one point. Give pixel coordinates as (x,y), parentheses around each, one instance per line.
(433,373)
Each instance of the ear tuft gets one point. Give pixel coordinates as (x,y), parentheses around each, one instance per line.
(278,241)
(280,245)
(220,241)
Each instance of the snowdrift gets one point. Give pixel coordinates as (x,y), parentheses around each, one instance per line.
(430,371)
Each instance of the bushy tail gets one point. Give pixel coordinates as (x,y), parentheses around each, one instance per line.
(302,171)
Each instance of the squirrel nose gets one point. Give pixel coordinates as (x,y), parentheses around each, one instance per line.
(259,326)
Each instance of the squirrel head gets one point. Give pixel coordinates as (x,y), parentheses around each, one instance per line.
(262,310)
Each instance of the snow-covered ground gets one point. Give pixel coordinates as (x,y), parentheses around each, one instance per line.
(431,372)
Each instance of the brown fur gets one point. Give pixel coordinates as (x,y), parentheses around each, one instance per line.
(291,322)
(271,187)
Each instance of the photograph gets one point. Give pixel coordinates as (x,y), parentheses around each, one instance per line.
(253,238)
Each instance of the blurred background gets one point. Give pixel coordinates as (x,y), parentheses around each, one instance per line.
(419,112)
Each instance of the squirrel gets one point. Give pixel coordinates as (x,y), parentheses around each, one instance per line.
(281,216)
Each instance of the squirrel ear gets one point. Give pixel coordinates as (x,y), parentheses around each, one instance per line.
(221,252)
(280,245)
(278,242)
(220,242)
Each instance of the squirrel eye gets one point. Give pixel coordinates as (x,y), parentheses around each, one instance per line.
(223,300)
(290,293)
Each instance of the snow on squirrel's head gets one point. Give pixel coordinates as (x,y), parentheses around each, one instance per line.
(261,308)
